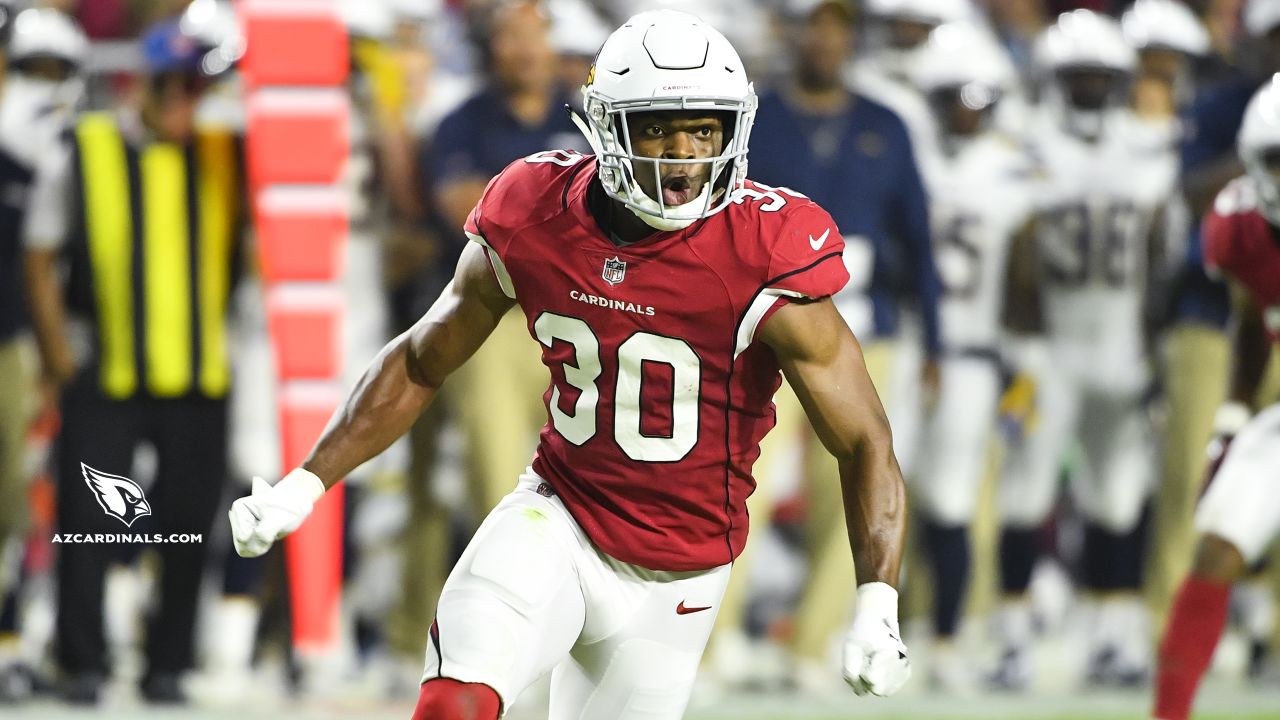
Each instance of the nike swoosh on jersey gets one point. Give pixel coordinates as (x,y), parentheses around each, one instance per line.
(682,610)
(822,239)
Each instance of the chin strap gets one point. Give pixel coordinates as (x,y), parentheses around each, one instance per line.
(650,212)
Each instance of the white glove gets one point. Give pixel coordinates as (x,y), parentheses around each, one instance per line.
(875,660)
(272,511)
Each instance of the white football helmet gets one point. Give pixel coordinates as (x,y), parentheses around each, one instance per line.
(666,60)
(1259,147)
(1083,42)
(1167,25)
(960,54)
(45,32)
(1261,17)
(893,56)
(576,28)
(963,64)
(928,12)
(213,25)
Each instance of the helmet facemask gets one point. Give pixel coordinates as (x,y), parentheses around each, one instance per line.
(608,128)
(1087,94)
(963,111)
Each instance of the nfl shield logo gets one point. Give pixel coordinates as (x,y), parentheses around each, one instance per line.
(614,270)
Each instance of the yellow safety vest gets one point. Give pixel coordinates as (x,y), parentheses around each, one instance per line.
(160,260)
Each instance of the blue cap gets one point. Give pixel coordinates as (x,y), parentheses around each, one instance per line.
(165,48)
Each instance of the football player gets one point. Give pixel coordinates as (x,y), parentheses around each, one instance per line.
(1239,514)
(666,292)
(1106,180)
(981,204)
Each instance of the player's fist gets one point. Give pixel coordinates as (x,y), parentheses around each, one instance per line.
(1229,420)
(875,659)
(272,511)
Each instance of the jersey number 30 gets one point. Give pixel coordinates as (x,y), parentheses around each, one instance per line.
(580,426)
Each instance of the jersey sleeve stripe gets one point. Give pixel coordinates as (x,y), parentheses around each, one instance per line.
(760,306)
(797,271)
(499,270)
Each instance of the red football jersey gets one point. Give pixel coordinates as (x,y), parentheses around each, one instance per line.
(1239,241)
(659,395)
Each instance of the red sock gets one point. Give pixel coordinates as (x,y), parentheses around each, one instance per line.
(1195,624)
(448,699)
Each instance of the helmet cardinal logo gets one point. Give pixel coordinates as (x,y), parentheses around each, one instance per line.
(614,270)
(591,74)
(120,497)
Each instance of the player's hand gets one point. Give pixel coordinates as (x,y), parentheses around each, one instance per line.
(272,511)
(875,659)
(1229,420)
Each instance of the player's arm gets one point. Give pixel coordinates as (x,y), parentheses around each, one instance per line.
(398,385)
(824,364)
(405,377)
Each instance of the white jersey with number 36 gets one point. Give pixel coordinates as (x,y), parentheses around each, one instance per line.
(1098,204)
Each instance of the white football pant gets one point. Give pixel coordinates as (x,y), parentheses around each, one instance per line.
(1242,505)
(531,594)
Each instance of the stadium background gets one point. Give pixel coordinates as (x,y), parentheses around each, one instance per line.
(412,62)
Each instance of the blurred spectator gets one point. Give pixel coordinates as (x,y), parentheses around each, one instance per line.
(855,157)
(143,209)
(40,88)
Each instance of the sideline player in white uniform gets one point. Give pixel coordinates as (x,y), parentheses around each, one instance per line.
(666,292)
(1239,516)
(1106,180)
(981,206)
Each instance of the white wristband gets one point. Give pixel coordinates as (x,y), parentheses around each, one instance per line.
(302,485)
(878,599)
(1231,418)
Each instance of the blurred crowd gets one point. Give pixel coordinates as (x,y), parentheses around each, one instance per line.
(1041,163)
